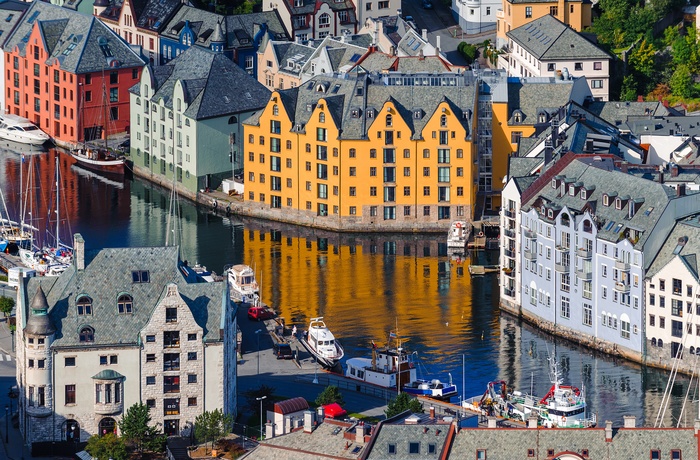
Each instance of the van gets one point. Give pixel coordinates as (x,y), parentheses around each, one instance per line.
(283,351)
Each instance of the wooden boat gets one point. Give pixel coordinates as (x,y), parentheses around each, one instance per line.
(99,160)
(390,366)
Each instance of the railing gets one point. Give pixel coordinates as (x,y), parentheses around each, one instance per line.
(622,287)
(561,248)
(585,275)
(509,253)
(531,235)
(561,268)
(509,292)
(531,255)
(620,265)
(509,233)
(509,213)
(586,254)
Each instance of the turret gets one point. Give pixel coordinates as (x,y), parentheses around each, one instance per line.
(38,335)
(218,39)
(99,6)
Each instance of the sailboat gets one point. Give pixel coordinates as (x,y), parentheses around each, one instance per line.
(99,159)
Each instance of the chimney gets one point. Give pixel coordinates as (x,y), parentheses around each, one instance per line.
(321,414)
(437,46)
(360,433)
(680,190)
(623,166)
(309,421)
(661,177)
(375,36)
(532,422)
(548,151)
(630,421)
(696,427)
(269,430)
(674,170)
(432,413)
(79,251)
(608,431)
(491,423)
(420,55)
(425,35)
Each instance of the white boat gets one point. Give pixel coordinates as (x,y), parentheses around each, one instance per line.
(244,287)
(19,129)
(321,343)
(389,367)
(458,235)
(431,388)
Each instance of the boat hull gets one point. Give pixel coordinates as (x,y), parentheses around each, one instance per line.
(446,392)
(19,139)
(328,363)
(106,166)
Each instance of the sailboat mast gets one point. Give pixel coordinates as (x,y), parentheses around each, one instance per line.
(104,105)
(58,208)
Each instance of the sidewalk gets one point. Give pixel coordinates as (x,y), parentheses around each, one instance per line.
(6,347)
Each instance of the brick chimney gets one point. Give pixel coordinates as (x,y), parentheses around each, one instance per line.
(432,413)
(674,170)
(79,251)
(680,190)
(623,166)
(360,433)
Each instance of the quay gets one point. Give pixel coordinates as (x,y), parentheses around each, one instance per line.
(477,270)
(8,261)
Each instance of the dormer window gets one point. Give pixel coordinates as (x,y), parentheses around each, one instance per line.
(140,276)
(418,114)
(618,203)
(84,305)
(542,117)
(125,304)
(554,183)
(87,334)
(355,113)
(550,213)
(370,113)
(606,200)
(572,190)
(389,121)
(518,116)
(583,194)
(630,211)
(466,114)
(298,3)
(563,189)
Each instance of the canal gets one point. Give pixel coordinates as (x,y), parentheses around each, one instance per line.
(364,285)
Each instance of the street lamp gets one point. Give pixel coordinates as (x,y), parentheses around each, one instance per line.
(315,382)
(7,423)
(261,414)
(258,334)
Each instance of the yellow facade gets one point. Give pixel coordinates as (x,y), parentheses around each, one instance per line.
(576,14)
(387,179)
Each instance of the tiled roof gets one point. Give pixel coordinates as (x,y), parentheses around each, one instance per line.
(547,38)
(215,86)
(107,275)
(11,12)
(80,43)
(291,405)
(534,95)
(150,15)
(326,441)
(310,6)
(623,111)
(688,231)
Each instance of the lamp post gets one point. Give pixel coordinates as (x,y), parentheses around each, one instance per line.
(261,414)
(315,371)
(7,424)
(258,334)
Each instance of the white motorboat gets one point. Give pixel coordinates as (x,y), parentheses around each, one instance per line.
(19,129)
(322,344)
(389,367)
(458,235)
(244,287)
(431,388)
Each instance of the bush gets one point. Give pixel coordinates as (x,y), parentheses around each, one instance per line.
(401,403)
(468,51)
(331,394)
(109,446)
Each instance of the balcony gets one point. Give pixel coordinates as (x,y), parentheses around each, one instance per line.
(529,234)
(509,292)
(584,253)
(561,268)
(108,408)
(500,14)
(531,255)
(622,287)
(509,253)
(560,248)
(584,274)
(510,213)
(620,265)
(509,233)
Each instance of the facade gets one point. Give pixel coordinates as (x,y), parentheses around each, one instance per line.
(546,47)
(138,23)
(386,31)
(515,13)
(362,152)
(71,84)
(312,20)
(186,119)
(121,326)
(12,11)
(476,16)
(280,63)
(237,36)
(335,56)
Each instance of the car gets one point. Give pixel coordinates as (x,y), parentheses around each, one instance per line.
(283,351)
(427,5)
(260,313)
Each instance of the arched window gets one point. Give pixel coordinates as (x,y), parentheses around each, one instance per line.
(692,350)
(653,341)
(275,110)
(518,116)
(660,343)
(108,425)
(321,117)
(587,226)
(389,120)
(125,304)
(84,305)
(443,121)
(251,139)
(72,431)
(87,334)
(232,120)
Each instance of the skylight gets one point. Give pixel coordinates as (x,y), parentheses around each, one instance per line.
(677,249)
(618,228)
(610,225)
(9,17)
(648,211)
(33,17)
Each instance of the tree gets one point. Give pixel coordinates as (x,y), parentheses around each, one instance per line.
(106,447)
(469,51)
(642,59)
(629,89)
(6,305)
(331,394)
(681,82)
(212,426)
(401,403)
(135,428)
(251,396)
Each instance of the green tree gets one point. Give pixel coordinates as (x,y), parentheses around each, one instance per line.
(629,89)
(331,394)
(642,59)
(401,403)
(251,396)
(135,428)
(468,51)
(681,82)
(6,305)
(212,426)
(109,446)
(611,22)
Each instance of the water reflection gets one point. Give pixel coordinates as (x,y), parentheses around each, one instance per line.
(364,285)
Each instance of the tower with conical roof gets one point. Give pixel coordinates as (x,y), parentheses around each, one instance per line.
(218,39)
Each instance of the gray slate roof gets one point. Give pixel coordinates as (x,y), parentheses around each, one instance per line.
(532,96)
(62,29)
(619,112)
(11,12)
(107,275)
(547,38)
(215,86)
(149,14)
(323,442)
(290,51)
(688,229)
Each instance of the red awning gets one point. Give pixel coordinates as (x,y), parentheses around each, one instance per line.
(334,410)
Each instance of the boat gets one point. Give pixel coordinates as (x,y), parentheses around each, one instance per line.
(564,406)
(390,367)
(321,343)
(244,287)
(196,273)
(19,129)
(431,388)
(458,235)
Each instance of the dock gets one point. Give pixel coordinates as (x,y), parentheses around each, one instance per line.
(478,270)
(8,261)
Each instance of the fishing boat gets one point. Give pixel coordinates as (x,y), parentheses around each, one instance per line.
(196,273)
(244,287)
(564,406)
(321,343)
(458,235)
(19,129)
(390,367)
(431,388)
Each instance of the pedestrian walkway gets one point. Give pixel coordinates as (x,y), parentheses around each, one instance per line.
(5,357)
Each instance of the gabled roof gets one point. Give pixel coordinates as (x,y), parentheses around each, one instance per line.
(683,242)
(535,95)
(214,85)
(11,12)
(149,14)
(80,43)
(311,6)
(547,38)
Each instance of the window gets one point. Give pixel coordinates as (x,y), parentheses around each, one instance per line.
(41,399)
(587,314)
(150,380)
(70,394)
(171,339)
(171,384)
(87,334)
(191,402)
(140,276)
(414,448)
(103,360)
(125,304)
(481,454)
(114,95)
(151,403)
(84,305)
(652,299)
(69,361)
(151,358)
(171,315)
(675,454)
(528,11)
(31,363)
(596,84)
(391,449)
(150,338)
(662,285)
(596,65)
(515,137)
(191,378)
(192,356)
(565,308)
(554,10)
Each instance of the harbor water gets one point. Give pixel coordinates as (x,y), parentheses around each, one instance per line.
(364,285)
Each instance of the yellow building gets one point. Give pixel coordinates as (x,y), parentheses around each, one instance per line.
(515,13)
(366,152)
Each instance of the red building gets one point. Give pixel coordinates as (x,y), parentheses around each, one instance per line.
(69,73)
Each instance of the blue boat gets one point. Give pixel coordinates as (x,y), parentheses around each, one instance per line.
(431,388)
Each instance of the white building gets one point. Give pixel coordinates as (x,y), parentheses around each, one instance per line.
(120,327)
(476,16)
(548,47)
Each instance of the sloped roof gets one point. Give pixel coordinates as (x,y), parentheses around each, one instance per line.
(290,406)
(80,43)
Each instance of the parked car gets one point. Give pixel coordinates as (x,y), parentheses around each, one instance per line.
(283,351)
(260,313)
(427,4)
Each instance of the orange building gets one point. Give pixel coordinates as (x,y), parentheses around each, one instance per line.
(69,74)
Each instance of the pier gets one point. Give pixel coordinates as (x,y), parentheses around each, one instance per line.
(8,261)
(477,270)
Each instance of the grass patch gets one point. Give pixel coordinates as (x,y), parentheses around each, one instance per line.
(364,418)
